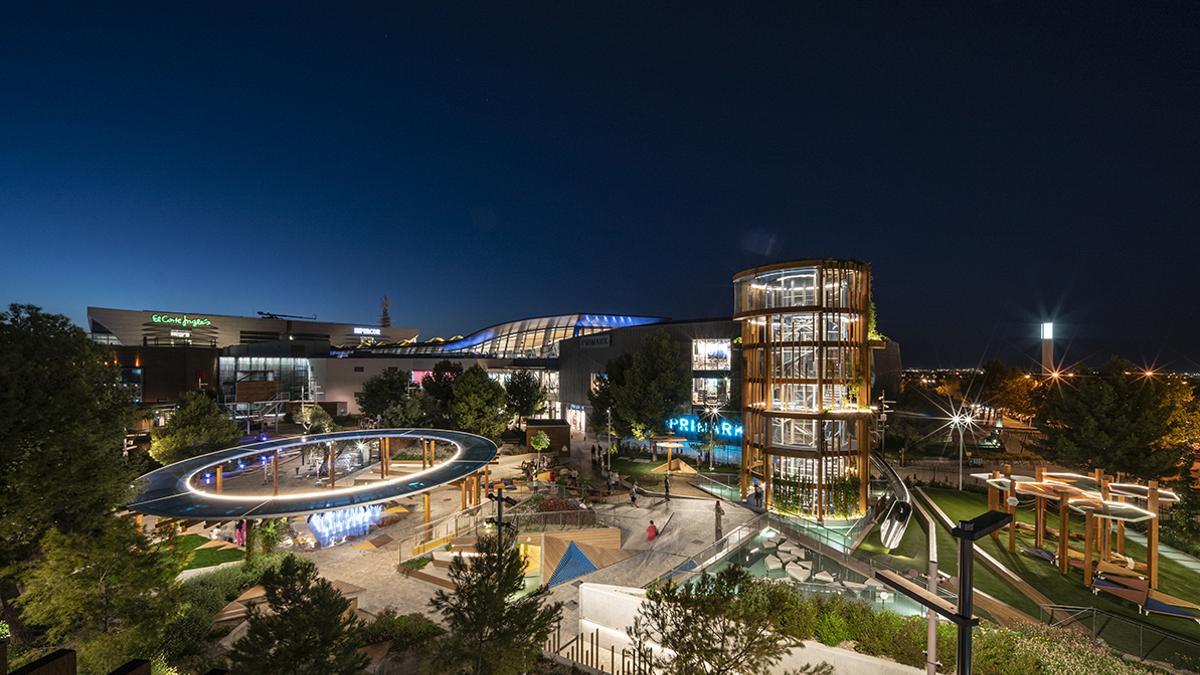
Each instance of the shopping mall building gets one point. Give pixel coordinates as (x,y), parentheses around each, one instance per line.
(260,365)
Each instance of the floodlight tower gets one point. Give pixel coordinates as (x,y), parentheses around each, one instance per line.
(1047,347)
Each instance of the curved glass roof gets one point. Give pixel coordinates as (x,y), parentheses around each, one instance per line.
(170,492)
(527,338)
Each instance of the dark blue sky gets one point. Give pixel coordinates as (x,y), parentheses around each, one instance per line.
(996,163)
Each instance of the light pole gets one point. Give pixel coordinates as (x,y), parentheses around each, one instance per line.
(608,462)
(960,421)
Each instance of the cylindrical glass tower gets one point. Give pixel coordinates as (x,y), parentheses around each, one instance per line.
(805,385)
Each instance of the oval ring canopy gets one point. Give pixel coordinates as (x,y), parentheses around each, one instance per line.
(169,491)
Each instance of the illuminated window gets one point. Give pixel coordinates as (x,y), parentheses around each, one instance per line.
(710,390)
(709,354)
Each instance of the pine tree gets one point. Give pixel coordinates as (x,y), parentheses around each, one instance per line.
(477,405)
(311,629)
(490,629)
(525,395)
(198,426)
(721,623)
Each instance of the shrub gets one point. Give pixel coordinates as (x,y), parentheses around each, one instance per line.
(880,634)
(186,631)
(908,647)
(797,616)
(831,629)
(404,630)
(413,564)
(997,652)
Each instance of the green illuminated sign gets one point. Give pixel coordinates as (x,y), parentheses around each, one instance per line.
(181,320)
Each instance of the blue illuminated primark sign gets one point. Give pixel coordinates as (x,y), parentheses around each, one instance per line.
(693,425)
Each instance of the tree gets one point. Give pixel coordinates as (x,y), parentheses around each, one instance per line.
(85,585)
(63,413)
(382,391)
(314,419)
(490,629)
(656,384)
(198,426)
(1010,390)
(1113,419)
(721,623)
(526,396)
(439,385)
(601,397)
(311,628)
(413,411)
(539,443)
(477,404)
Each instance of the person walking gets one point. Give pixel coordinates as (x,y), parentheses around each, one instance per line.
(717,513)
(633,495)
(667,486)
(652,532)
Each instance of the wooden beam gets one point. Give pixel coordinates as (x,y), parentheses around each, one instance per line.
(1011,509)
(1089,538)
(220,478)
(1064,532)
(275,472)
(1039,518)
(1152,535)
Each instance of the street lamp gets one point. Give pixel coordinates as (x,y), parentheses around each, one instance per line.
(960,421)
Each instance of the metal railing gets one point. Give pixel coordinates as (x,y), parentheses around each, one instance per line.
(586,651)
(1126,635)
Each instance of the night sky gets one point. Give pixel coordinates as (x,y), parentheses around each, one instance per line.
(998,164)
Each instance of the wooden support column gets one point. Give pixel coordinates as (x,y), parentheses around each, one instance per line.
(1121,523)
(1152,535)
(478,496)
(1064,532)
(1039,518)
(1010,508)
(275,472)
(220,476)
(332,465)
(994,501)
(1104,540)
(864,465)
(383,457)
(463,498)
(1089,538)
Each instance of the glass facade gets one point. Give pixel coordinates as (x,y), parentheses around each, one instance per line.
(711,354)
(806,375)
(710,391)
(527,338)
(294,375)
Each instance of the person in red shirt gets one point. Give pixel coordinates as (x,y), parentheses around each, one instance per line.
(652,532)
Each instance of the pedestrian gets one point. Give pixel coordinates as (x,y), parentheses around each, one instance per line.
(633,494)
(667,487)
(717,513)
(651,532)
(758,496)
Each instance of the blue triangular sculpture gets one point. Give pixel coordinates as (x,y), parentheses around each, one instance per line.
(574,563)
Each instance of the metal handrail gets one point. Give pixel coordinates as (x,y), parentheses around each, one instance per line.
(1081,615)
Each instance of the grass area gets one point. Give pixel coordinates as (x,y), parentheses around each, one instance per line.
(196,558)
(912,553)
(640,472)
(1068,589)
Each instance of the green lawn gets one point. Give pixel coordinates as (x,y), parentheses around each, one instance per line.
(640,472)
(1068,589)
(195,559)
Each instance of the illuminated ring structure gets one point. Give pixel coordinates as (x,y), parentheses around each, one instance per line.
(169,492)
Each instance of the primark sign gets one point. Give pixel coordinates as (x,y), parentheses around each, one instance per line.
(694,425)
